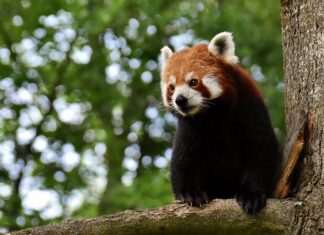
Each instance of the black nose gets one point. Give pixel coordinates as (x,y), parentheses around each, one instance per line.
(181,101)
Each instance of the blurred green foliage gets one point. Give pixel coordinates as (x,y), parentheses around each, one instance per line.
(82,129)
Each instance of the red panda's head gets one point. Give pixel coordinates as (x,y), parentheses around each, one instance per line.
(192,77)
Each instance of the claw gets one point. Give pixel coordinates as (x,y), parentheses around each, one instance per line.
(252,202)
(181,198)
(193,199)
(205,197)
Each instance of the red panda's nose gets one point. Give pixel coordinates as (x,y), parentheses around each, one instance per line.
(181,101)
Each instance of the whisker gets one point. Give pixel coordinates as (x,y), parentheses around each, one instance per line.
(160,106)
(193,96)
(206,101)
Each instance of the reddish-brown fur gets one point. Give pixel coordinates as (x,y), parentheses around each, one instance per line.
(200,61)
(229,149)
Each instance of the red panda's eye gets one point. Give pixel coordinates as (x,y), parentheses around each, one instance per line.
(193,82)
(171,87)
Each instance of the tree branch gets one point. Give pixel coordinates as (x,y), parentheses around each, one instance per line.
(218,217)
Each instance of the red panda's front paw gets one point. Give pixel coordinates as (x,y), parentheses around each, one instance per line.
(252,202)
(196,200)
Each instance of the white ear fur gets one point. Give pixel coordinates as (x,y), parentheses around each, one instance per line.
(166,53)
(223,45)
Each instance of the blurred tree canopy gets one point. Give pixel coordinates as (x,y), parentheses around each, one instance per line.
(82,128)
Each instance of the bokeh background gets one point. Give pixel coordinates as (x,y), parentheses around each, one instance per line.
(82,131)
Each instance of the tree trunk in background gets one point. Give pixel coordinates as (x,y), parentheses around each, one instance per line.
(303,46)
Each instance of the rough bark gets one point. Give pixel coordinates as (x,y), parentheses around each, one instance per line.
(219,217)
(303,45)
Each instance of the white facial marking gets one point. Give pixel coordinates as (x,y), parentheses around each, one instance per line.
(164,90)
(172,79)
(166,53)
(211,83)
(188,76)
(194,97)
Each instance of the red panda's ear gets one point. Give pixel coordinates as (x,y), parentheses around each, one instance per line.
(166,53)
(223,45)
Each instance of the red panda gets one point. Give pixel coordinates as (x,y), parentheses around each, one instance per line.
(224,145)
